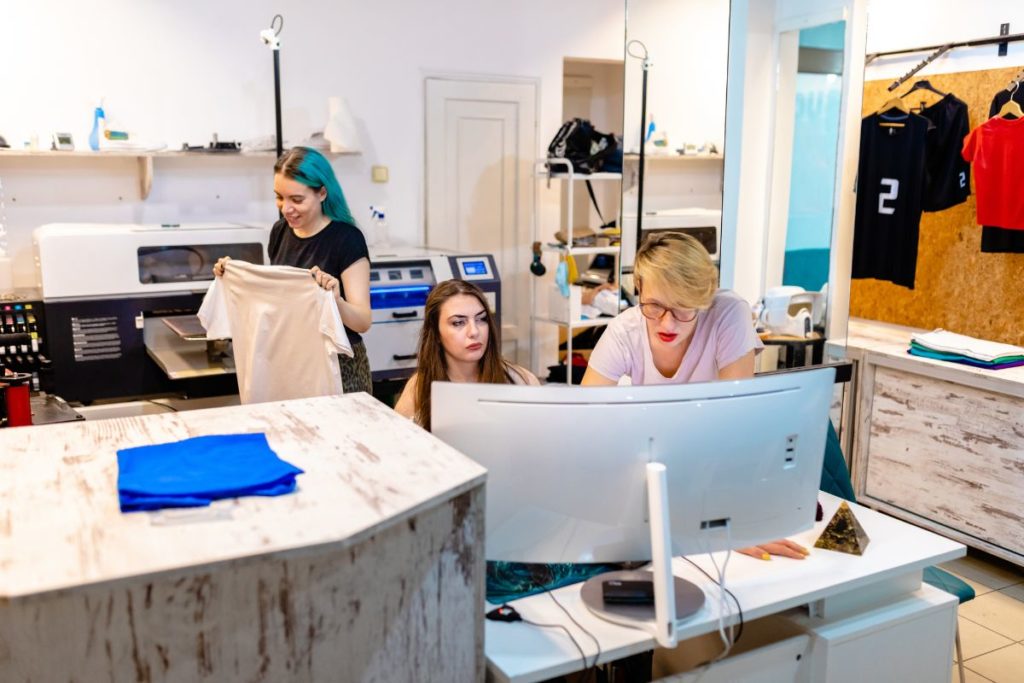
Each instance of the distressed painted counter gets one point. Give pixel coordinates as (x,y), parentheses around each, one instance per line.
(371,571)
(937,443)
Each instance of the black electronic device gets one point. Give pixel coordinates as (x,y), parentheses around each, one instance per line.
(536,266)
(216,146)
(504,613)
(624,592)
(600,271)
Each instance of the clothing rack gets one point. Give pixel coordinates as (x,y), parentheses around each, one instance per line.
(938,50)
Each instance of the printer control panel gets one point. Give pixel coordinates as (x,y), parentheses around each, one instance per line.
(22,336)
(474,268)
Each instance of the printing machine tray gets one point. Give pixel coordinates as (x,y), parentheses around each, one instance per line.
(187,327)
(178,344)
(186,363)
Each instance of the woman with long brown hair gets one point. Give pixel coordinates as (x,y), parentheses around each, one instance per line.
(459,342)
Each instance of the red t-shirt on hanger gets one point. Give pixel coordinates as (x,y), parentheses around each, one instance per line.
(995,149)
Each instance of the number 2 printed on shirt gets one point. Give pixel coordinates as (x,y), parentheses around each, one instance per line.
(894,190)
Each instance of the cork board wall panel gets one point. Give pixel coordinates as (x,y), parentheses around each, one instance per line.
(957,288)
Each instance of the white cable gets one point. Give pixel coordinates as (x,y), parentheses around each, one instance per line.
(723,604)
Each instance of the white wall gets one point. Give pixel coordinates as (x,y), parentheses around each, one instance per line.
(915,23)
(181,71)
(688,46)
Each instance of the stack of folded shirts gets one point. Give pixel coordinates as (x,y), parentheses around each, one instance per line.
(197,471)
(943,345)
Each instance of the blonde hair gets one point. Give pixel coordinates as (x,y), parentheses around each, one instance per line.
(681,266)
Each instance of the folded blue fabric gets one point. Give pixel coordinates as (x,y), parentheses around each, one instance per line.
(194,472)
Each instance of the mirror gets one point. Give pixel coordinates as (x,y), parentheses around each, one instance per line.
(815,145)
(686,45)
(801,214)
(797,255)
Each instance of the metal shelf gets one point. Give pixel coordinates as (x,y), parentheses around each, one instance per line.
(543,171)
(675,157)
(578,251)
(576,324)
(582,176)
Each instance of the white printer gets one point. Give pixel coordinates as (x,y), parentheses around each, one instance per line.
(400,280)
(119,299)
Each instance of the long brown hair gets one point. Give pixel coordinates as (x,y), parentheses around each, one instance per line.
(431,362)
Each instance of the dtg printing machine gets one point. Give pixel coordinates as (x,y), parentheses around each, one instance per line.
(400,280)
(120,304)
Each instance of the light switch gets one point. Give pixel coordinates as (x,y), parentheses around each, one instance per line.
(379,174)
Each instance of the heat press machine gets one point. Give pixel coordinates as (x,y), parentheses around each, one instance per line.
(120,304)
(400,281)
(789,311)
(703,224)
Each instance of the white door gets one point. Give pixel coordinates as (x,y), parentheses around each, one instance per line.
(481,143)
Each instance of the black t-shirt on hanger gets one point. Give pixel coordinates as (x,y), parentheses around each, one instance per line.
(890,184)
(333,249)
(996,240)
(949,175)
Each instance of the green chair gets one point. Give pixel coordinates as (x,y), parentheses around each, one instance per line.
(835,479)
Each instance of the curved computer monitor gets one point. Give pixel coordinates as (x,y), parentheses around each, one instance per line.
(566,465)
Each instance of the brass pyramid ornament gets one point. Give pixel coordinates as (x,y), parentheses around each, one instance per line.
(844,533)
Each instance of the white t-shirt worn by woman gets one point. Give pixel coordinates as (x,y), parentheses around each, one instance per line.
(724,334)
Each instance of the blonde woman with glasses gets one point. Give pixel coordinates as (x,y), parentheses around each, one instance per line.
(684,329)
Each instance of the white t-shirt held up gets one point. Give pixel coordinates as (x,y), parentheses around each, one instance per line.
(286,331)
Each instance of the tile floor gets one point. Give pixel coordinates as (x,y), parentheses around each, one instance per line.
(991,625)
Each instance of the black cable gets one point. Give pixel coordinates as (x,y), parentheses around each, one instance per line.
(162,405)
(583,657)
(739,631)
(589,634)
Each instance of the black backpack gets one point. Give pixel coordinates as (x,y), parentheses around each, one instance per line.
(588,150)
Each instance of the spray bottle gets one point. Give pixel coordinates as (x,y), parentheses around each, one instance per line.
(380,227)
(99,122)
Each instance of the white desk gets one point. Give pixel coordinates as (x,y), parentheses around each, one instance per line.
(370,570)
(837,586)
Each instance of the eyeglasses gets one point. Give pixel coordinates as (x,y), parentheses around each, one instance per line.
(653,311)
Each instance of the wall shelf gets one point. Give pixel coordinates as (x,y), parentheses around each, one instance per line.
(145,158)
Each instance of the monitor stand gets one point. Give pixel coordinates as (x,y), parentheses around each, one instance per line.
(674,598)
(689,599)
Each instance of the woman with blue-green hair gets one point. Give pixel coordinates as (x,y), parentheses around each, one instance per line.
(317,232)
